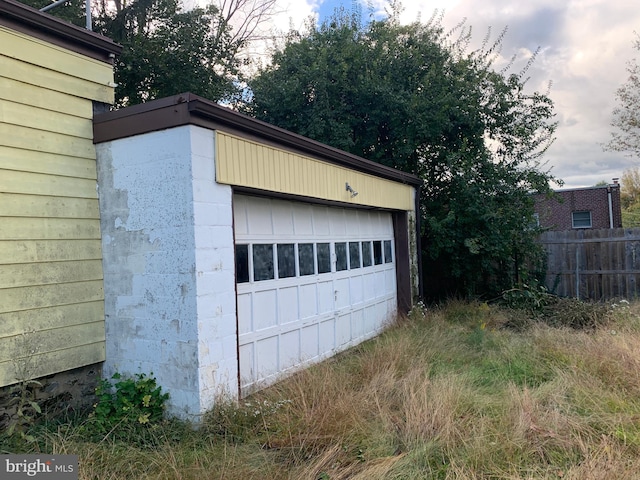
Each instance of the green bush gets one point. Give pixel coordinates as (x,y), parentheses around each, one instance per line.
(132,402)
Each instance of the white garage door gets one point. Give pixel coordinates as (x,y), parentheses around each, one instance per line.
(311,280)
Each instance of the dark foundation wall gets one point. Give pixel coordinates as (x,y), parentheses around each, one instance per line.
(56,394)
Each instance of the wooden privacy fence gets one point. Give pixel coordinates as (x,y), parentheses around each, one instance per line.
(593,264)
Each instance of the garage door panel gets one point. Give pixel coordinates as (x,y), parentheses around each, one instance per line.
(309,342)
(356,287)
(240,222)
(308,301)
(325,297)
(326,336)
(370,319)
(289,349)
(390,279)
(343,330)
(259,218)
(342,293)
(369,286)
(267,353)
(352,223)
(282,218)
(337,224)
(303,220)
(288,305)
(321,222)
(264,309)
(247,360)
(357,324)
(245,313)
(379,283)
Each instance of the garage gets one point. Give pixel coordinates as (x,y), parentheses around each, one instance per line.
(311,280)
(236,252)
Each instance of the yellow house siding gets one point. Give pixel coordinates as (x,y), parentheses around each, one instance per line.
(32,74)
(51,288)
(25,161)
(36,57)
(251,164)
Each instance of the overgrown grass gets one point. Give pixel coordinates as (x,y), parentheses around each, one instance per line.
(449,393)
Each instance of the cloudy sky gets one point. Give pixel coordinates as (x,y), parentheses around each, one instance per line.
(584,48)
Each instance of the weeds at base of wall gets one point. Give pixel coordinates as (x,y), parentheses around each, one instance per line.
(127,409)
(22,409)
(22,400)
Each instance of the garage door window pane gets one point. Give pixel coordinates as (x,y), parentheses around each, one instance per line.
(242,263)
(377,252)
(341,256)
(324,257)
(366,254)
(354,255)
(286,260)
(388,256)
(262,262)
(305,259)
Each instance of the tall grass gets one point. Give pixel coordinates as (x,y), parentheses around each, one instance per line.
(446,394)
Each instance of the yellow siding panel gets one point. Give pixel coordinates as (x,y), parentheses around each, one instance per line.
(55,81)
(50,318)
(50,340)
(28,298)
(44,364)
(31,50)
(28,161)
(27,94)
(27,183)
(39,119)
(246,163)
(33,274)
(49,142)
(17,228)
(16,205)
(30,251)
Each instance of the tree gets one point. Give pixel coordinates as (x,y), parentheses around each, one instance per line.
(72,11)
(626,116)
(630,197)
(410,97)
(168,50)
(630,188)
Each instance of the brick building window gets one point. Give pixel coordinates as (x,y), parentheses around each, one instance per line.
(581,219)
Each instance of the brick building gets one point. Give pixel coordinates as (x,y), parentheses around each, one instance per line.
(591,207)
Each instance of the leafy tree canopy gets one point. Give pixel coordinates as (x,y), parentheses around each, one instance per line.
(412,97)
(626,116)
(168,50)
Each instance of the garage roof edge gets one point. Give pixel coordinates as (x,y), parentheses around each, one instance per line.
(187,108)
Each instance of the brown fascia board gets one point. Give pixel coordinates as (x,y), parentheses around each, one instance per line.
(25,19)
(190,109)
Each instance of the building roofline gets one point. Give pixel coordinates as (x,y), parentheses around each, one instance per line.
(614,185)
(190,109)
(23,18)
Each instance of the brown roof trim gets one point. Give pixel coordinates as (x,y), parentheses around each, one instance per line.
(190,109)
(23,18)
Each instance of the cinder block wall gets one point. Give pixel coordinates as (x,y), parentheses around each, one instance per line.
(168,265)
